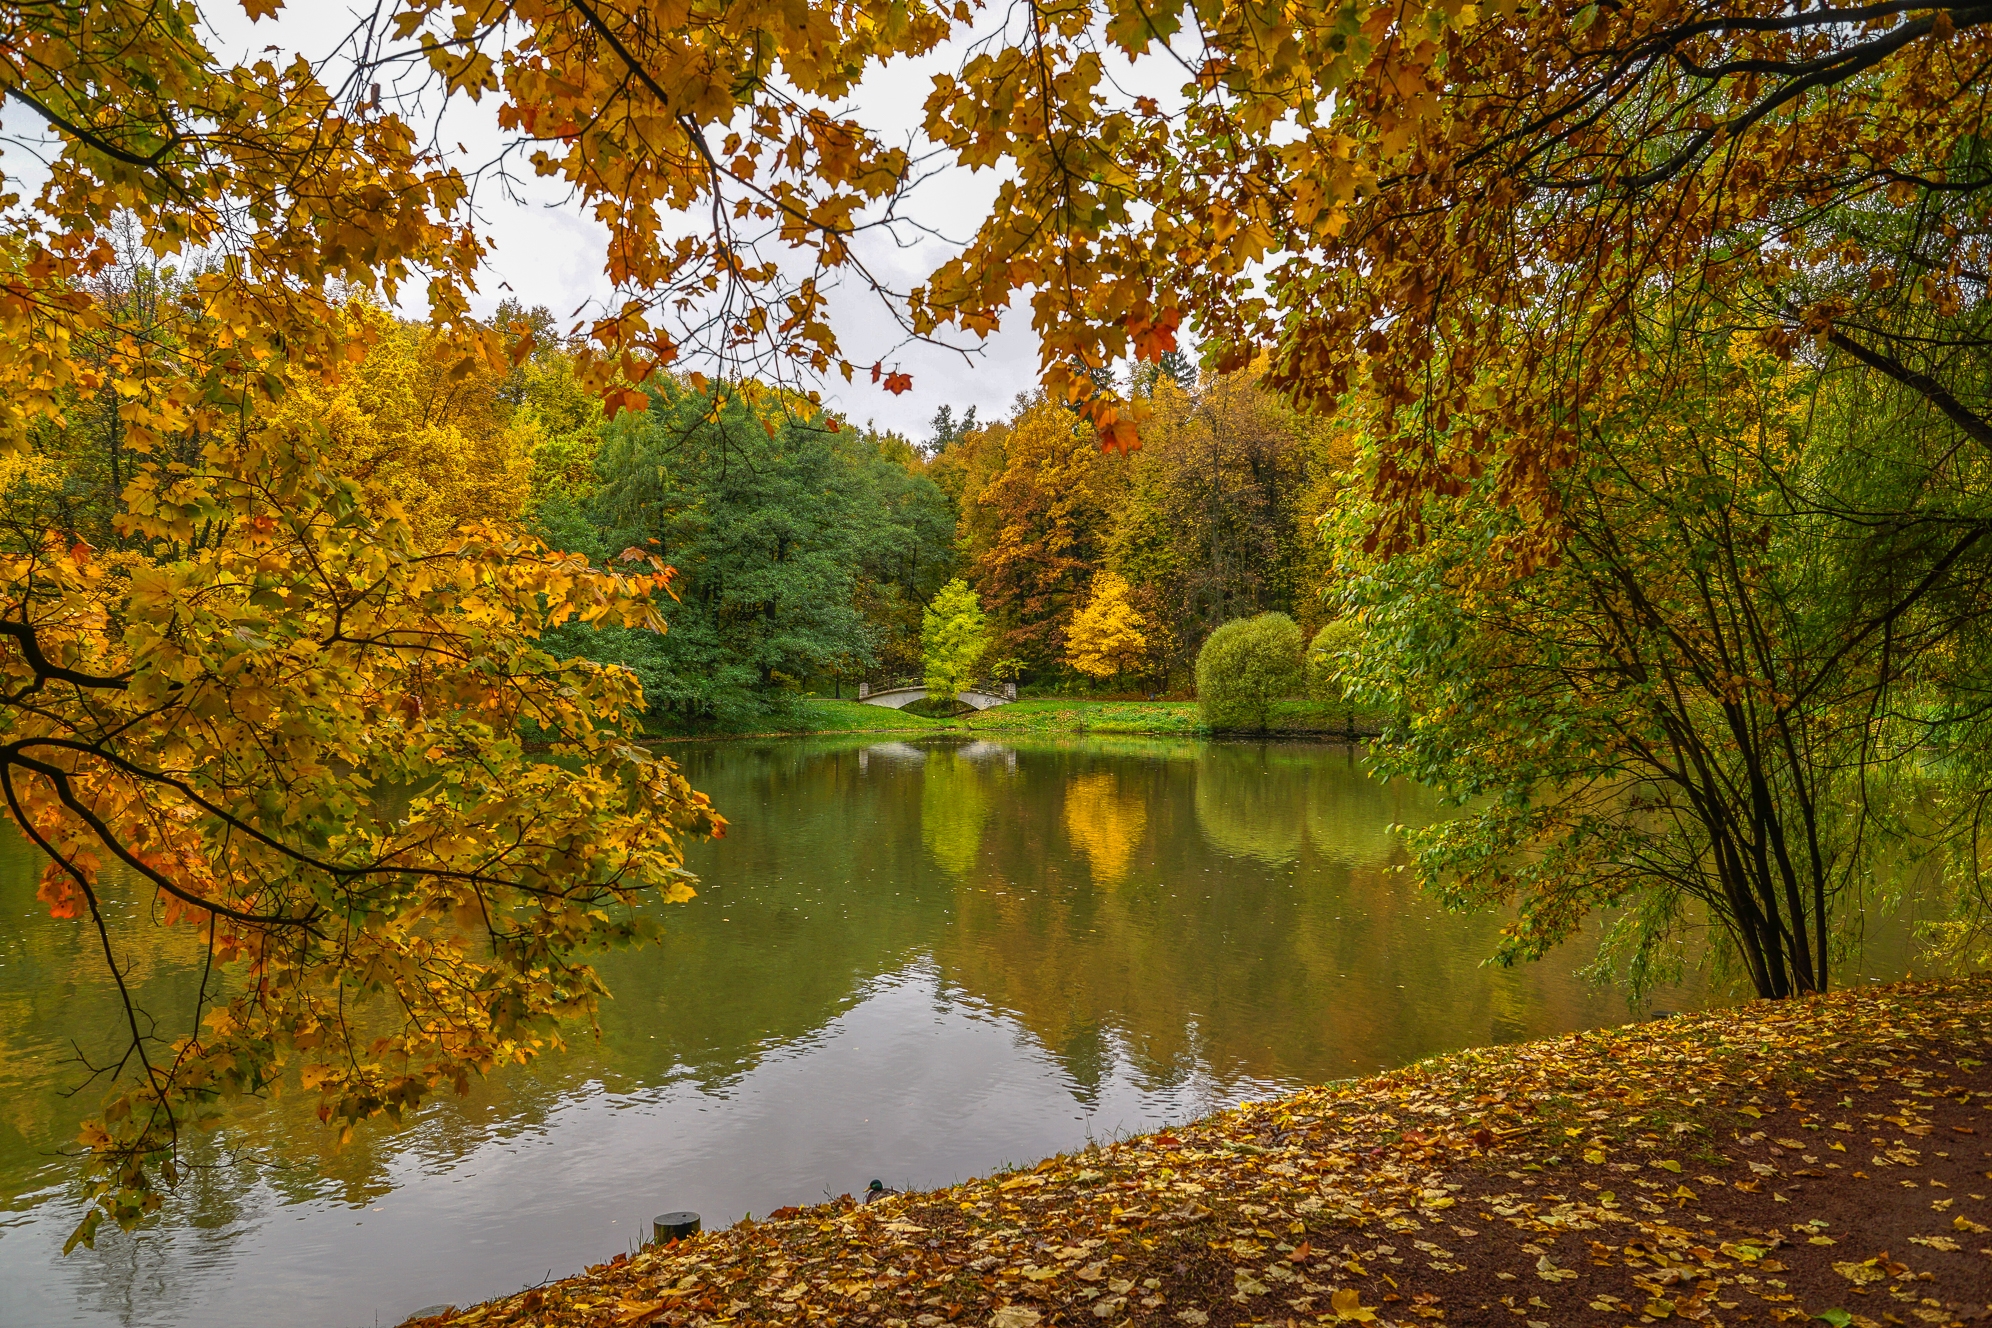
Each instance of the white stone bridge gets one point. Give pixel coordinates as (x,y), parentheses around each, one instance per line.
(903,692)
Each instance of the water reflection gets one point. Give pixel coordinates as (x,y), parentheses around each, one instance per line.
(909,961)
(954,806)
(1104,822)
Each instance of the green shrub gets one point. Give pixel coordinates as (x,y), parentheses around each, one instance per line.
(1325,658)
(1244,667)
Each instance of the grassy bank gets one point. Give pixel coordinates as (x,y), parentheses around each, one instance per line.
(811,715)
(821,715)
(1182,718)
(1776,1163)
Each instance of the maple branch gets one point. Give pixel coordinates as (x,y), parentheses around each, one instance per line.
(173,139)
(11,755)
(382,867)
(23,633)
(607,34)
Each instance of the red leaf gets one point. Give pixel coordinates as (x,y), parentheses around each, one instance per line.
(896,383)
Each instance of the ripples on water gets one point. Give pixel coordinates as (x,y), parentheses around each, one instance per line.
(910,962)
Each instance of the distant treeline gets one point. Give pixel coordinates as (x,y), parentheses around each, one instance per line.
(806,549)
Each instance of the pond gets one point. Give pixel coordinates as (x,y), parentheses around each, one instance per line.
(910,962)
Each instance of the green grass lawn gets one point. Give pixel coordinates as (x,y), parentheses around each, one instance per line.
(1047,714)
(1053,714)
(818,714)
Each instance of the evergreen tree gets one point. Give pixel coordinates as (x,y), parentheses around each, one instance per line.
(797,546)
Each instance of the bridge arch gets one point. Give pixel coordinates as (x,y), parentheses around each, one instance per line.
(899,695)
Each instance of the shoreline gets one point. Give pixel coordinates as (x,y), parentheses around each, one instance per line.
(1773,1162)
(1057,715)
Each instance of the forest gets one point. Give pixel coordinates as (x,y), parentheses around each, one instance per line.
(804,550)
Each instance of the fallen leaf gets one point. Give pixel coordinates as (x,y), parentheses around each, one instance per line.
(1348,1306)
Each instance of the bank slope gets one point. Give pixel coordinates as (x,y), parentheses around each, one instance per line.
(1778,1162)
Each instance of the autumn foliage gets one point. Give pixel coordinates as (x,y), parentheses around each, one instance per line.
(283,682)
(1106,638)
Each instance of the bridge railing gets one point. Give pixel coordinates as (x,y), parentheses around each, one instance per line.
(988,687)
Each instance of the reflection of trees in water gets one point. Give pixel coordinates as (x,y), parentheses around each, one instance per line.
(1114,898)
(954,806)
(1261,800)
(1105,824)
(1331,967)
(1247,803)
(1349,815)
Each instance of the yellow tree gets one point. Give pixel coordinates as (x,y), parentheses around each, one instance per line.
(1108,636)
(419,424)
(334,749)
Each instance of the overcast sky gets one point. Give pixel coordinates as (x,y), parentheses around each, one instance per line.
(547,252)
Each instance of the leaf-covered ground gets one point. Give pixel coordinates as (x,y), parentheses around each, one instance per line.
(1776,1163)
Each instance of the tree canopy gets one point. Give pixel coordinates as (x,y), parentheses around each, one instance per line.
(803,551)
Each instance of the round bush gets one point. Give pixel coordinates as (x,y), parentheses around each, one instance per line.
(1244,667)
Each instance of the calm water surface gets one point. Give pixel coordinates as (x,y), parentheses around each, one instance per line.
(909,962)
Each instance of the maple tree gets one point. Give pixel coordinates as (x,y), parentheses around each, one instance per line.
(1106,638)
(238,683)
(1401,198)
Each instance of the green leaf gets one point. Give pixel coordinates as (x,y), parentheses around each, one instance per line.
(86,1231)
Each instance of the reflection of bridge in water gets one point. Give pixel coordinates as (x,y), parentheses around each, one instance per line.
(902,692)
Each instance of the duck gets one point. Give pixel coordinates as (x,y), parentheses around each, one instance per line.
(878,1190)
